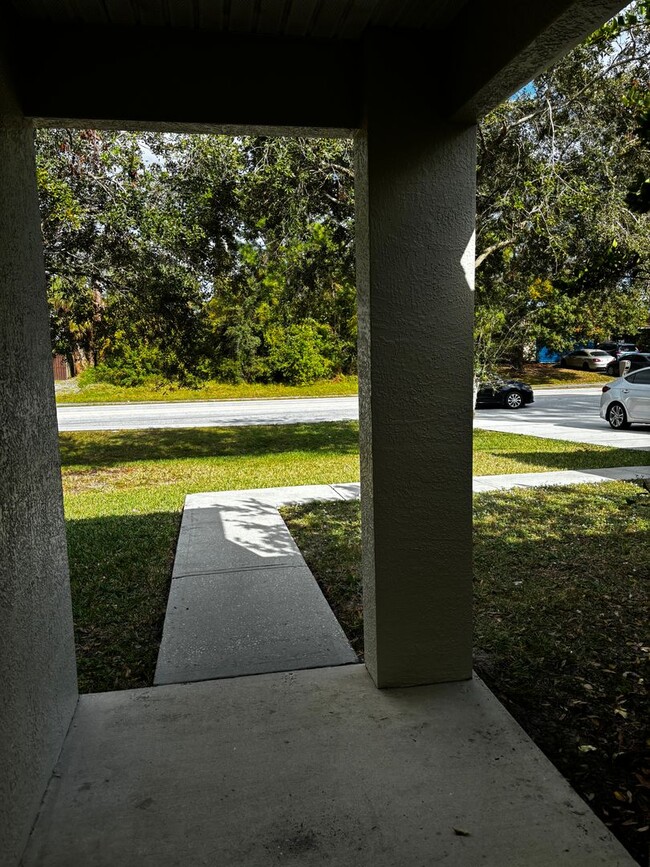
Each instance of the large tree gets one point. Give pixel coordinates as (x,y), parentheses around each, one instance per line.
(196,256)
(560,254)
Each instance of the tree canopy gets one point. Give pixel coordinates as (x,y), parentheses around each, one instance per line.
(191,257)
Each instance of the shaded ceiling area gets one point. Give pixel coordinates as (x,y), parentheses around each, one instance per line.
(299,66)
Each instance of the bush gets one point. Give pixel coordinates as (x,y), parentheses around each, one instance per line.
(299,354)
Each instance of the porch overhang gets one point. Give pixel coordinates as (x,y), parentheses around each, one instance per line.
(287,67)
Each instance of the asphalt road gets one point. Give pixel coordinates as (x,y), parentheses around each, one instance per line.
(564,414)
(569,414)
(209,413)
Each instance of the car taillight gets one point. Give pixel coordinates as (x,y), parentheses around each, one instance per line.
(606,388)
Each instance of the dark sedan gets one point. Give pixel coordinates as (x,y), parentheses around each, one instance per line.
(510,394)
(637,361)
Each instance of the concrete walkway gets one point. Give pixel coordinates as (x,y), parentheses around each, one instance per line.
(243,601)
(481,484)
(309,768)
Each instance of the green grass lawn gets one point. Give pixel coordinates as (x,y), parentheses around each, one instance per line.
(124,493)
(561,615)
(540,375)
(496,453)
(103,392)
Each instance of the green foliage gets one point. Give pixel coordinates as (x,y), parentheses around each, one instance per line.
(301,353)
(561,257)
(186,257)
(197,257)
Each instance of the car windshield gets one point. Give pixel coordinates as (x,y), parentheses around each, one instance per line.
(597,352)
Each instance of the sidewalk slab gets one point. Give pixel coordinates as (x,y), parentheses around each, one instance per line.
(243,532)
(249,622)
(269,496)
(508,481)
(309,768)
(351,491)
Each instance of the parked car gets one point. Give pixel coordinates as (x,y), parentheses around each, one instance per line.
(617,349)
(587,359)
(626,400)
(509,394)
(637,361)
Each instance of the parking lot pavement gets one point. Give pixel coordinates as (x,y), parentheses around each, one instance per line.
(564,414)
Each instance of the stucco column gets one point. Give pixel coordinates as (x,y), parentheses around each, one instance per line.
(415,193)
(38,688)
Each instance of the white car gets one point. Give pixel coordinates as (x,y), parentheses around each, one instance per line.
(626,400)
(587,359)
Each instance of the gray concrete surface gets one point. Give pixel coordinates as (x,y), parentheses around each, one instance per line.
(206,413)
(242,599)
(564,414)
(242,622)
(561,477)
(38,690)
(309,768)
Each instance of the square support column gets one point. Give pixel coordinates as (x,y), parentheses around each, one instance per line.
(38,690)
(415,193)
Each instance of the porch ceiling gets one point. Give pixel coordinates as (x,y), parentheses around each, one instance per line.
(277,65)
(316,19)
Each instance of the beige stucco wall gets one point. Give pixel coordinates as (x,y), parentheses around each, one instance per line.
(38,689)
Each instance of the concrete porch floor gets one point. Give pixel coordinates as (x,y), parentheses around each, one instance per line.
(309,767)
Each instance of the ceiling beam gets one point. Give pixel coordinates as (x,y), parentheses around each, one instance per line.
(162,79)
(493,49)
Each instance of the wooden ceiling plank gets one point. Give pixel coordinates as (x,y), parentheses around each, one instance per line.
(328,17)
(242,16)
(212,14)
(151,12)
(32,8)
(299,18)
(181,13)
(443,13)
(93,12)
(271,16)
(357,18)
(121,12)
(387,13)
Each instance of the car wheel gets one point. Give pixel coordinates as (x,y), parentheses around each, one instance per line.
(617,417)
(585,366)
(513,400)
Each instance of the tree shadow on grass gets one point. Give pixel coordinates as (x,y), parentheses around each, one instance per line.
(109,448)
(580,459)
(560,616)
(120,569)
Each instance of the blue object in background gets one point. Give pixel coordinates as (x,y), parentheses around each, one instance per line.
(547,356)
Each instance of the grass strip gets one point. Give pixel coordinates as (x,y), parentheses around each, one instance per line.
(103,392)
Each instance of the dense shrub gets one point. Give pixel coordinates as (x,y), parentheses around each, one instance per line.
(302,353)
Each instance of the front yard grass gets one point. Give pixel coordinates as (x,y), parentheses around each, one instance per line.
(561,614)
(548,374)
(496,453)
(124,494)
(103,392)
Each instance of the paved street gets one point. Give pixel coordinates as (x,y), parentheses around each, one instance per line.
(209,413)
(569,414)
(564,414)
